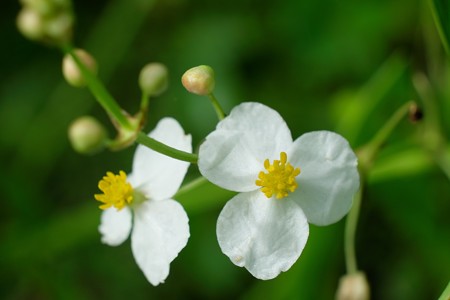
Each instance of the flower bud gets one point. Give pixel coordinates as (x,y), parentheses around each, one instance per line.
(353,287)
(87,135)
(71,71)
(30,24)
(47,21)
(199,80)
(153,79)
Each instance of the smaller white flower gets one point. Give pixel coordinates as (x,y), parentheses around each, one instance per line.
(283,185)
(159,229)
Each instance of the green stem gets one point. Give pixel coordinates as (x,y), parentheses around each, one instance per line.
(446,294)
(100,92)
(350,233)
(153,144)
(217,107)
(144,102)
(383,134)
(366,156)
(369,151)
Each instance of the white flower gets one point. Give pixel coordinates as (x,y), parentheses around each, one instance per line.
(160,224)
(283,185)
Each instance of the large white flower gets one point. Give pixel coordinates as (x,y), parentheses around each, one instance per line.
(159,229)
(284,184)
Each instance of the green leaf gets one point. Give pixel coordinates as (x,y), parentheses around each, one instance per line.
(446,293)
(441,15)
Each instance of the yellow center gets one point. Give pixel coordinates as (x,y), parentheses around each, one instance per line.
(116,190)
(279,179)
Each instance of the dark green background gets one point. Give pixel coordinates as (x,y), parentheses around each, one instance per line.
(336,65)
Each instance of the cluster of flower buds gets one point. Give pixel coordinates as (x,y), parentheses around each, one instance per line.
(86,134)
(48,21)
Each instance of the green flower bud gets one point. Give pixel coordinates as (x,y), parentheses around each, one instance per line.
(153,79)
(48,21)
(353,287)
(199,80)
(31,24)
(87,135)
(71,71)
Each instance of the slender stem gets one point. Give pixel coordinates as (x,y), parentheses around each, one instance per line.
(217,107)
(191,185)
(153,144)
(100,92)
(366,156)
(383,134)
(350,233)
(446,294)
(144,101)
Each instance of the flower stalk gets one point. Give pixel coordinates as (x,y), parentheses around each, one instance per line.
(122,120)
(368,153)
(217,107)
(100,93)
(153,144)
(366,156)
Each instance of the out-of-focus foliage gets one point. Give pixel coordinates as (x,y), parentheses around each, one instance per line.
(441,11)
(337,65)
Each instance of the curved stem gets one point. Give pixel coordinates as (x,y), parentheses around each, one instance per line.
(366,156)
(368,152)
(217,107)
(157,146)
(383,134)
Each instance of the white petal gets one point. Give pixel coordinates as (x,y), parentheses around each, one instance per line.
(329,177)
(160,231)
(233,155)
(157,175)
(266,236)
(115,226)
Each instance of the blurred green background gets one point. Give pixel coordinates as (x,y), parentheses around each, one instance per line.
(337,65)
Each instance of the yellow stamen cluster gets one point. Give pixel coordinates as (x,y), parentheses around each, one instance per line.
(279,179)
(116,190)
